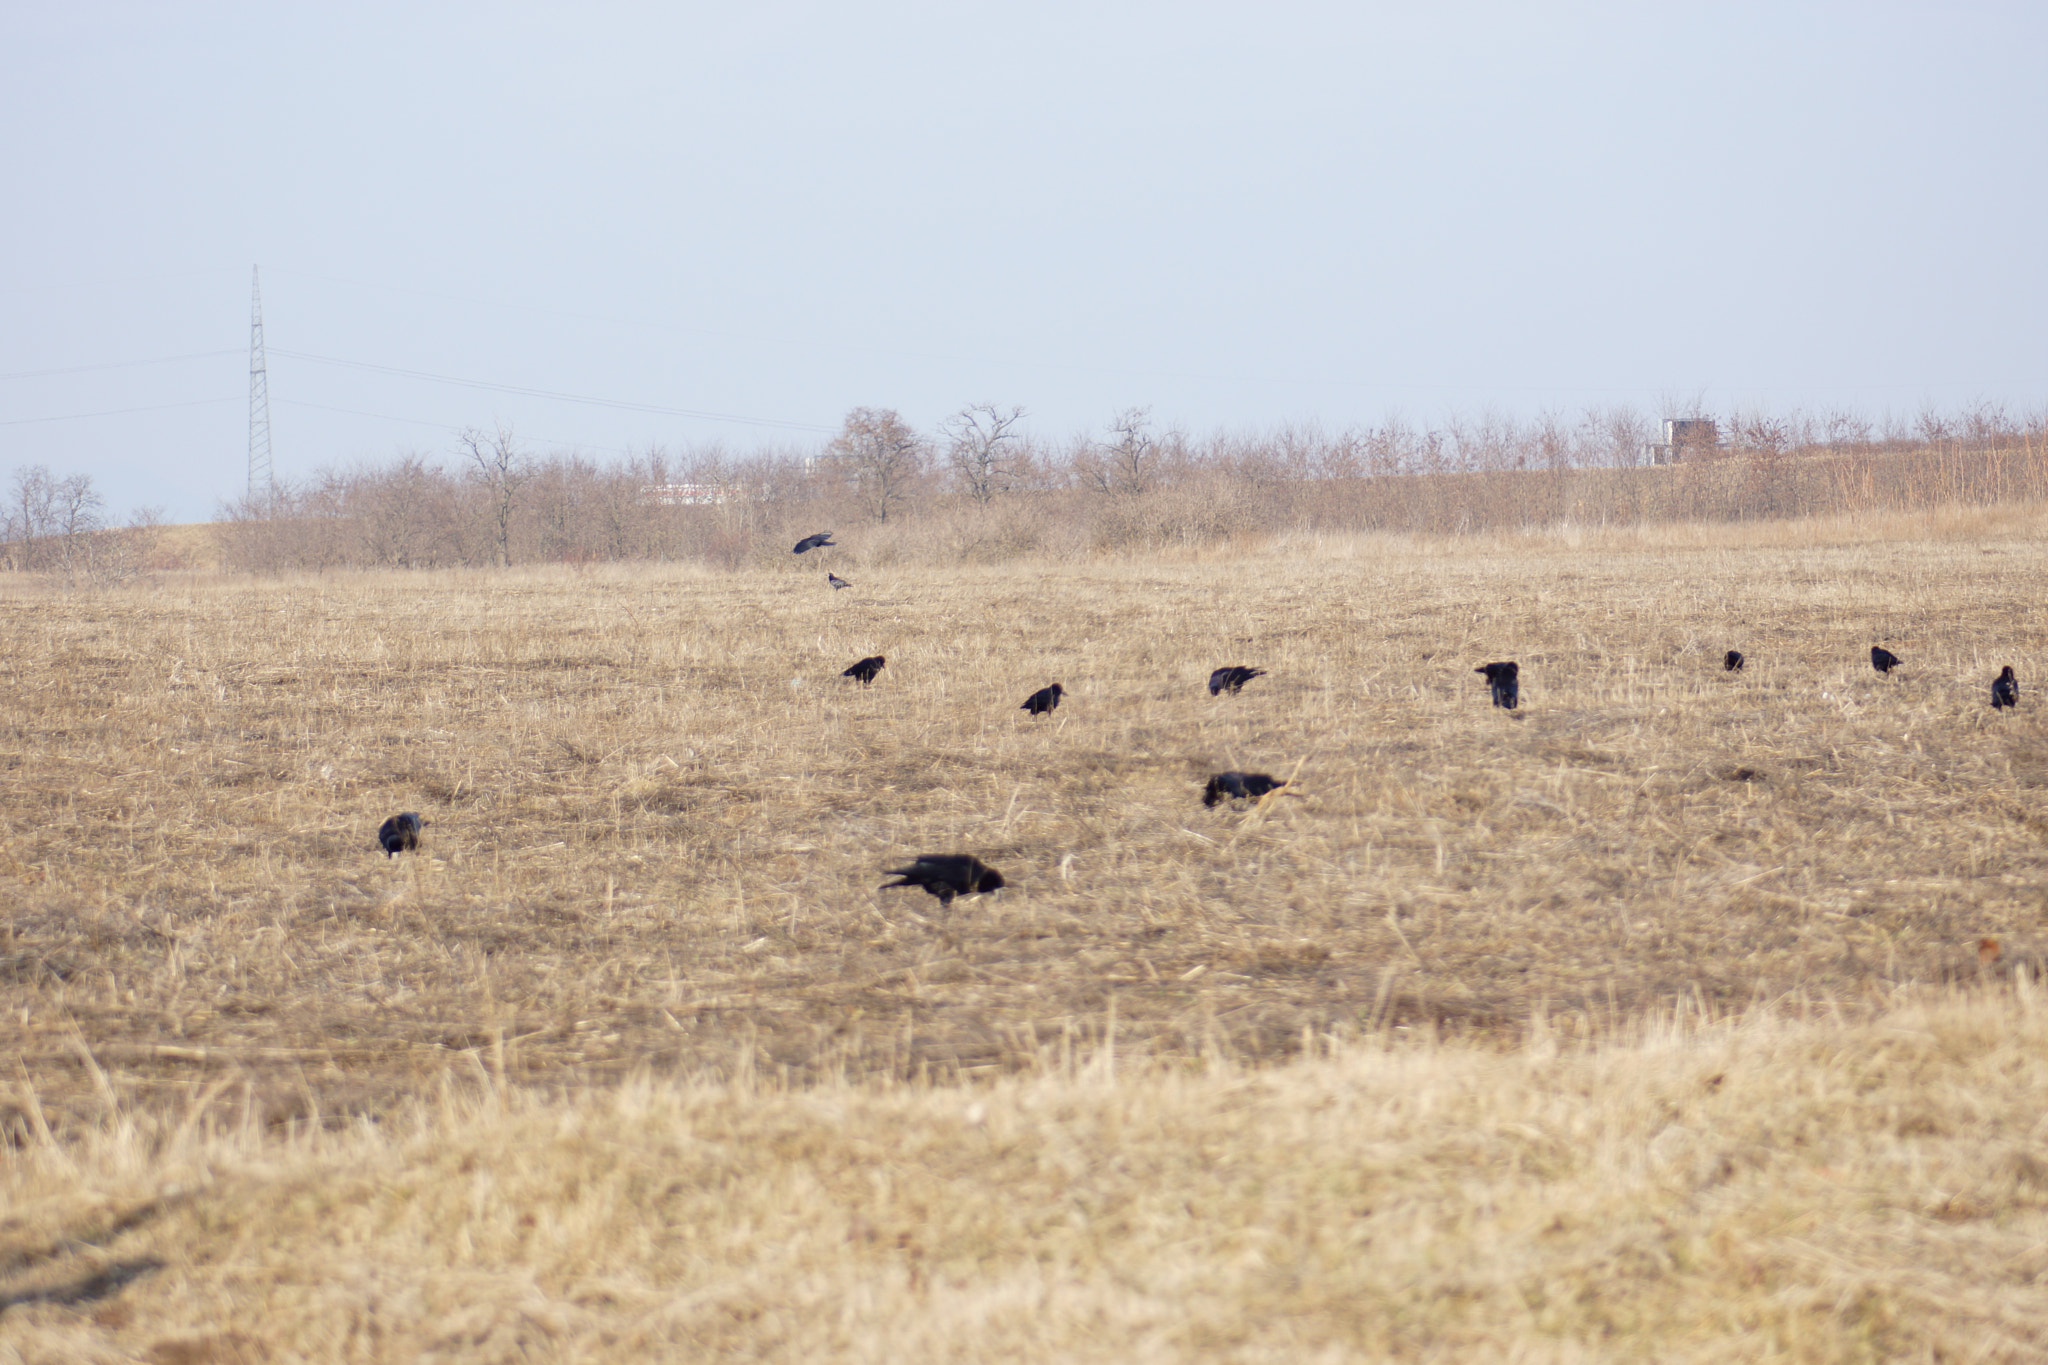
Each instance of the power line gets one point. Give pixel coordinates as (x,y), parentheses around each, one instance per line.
(363,412)
(556,395)
(116,412)
(117,365)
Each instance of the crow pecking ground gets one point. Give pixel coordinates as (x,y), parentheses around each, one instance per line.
(1233,677)
(2005,690)
(1239,786)
(946,875)
(401,833)
(1042,701)
(1503,680)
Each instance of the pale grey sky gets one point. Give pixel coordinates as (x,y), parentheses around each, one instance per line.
(1235,215)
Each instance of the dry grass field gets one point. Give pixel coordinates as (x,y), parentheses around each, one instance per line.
(1764,1192)
(1648,1021)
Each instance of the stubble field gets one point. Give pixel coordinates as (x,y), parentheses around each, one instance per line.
(659,819)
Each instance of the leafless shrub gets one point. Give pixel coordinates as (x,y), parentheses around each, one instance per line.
(500,469)
(117,554)
(408,515)
(1126,464)
(982,443)
(881,456)
(295,528)
(1761,433)
(1842,429)
(49,519)
(58,527)
(1133,489)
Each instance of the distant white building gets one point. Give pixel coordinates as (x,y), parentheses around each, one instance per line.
(683,495)
(1683,436)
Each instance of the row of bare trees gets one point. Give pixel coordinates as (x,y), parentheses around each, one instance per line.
(981,486)
(60,528)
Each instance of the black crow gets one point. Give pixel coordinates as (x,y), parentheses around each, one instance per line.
(1225,786)
(1734,661)
(816,542)
(1503,681)
(946,875)
(1042,701)
(1882,659)
(866,669)
(2005,691)
(836,581)
(1232,676)
(401,833)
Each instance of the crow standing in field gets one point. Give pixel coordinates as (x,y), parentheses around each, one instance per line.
(1502,680)
(401,833)
(1882,659)
(1042,701)
(866,669)
(836,581)
(1232,676)
(946,875)
(2005,690)
(1734,661)
(816,542)
(1247,786)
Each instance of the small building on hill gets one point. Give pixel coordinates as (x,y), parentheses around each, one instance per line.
(1684,437)
(684,495)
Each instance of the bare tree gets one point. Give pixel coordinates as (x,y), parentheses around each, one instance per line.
(75,518)
(1126,463)
(982,447)
(51,521)
(28,514)
(60,526)
(1846,428)
(502,470)
(883,454)
(1616,435)
(404,513)
(1760,432)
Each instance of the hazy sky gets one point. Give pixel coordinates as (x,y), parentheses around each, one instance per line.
(1236,215)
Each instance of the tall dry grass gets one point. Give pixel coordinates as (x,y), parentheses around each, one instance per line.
(1749,1191)
(659,819)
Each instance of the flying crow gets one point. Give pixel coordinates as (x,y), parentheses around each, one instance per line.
(866,669)
(816,542)
(1042,701)
(401,833)
(836,581)
(946,875)
(1225,786)
(1233,676)
(1502,681)
(1734,661)
(1882,659)
(2006,690)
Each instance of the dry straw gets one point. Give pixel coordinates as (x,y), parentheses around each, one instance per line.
(1761,1191)
(639,986)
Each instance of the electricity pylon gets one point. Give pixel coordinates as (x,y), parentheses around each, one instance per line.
(262,485)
